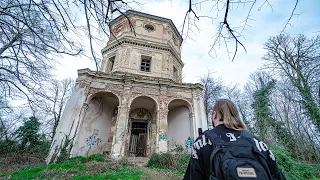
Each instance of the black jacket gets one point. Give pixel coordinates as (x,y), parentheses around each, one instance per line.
(198,167)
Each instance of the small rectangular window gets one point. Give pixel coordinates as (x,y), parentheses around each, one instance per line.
(145,63)
(111,63)
(175,73)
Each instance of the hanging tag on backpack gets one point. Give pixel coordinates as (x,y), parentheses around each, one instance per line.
(246,172)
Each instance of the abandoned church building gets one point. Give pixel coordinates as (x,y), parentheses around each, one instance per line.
(136,104)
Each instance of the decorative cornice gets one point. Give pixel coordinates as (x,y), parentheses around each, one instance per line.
(132,41)
(134,78)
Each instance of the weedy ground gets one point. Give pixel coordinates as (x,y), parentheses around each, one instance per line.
(163,166)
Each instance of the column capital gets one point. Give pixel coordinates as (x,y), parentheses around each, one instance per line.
(85,106)
(164,111)
(122,107)
(196,94)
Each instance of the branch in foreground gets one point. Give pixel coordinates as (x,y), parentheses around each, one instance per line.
(292,13)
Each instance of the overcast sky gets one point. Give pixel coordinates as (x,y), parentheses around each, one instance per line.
(265,22)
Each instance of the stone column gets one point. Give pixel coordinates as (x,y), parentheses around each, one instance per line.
(192,125)
(119,139)
(120,136)
(153,128)
(163,128)
(195,99)
(199,112)
(163,122)
(204,121)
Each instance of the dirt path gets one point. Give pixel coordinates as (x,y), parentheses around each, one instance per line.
(153,173)
(159,174)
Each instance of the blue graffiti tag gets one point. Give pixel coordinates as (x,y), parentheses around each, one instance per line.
(162,136)
(91,141)
(188,143)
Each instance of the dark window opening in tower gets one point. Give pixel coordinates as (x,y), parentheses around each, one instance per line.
(111,63)
(145,63)
(175,73)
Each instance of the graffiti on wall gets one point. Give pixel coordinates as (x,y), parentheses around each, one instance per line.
(188,143)
(162,136)
(186,146)
(91,141)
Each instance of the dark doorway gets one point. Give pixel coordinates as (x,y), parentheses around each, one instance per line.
(138,140)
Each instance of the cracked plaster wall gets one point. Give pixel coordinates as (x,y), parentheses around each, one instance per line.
(96,128)
(179,125)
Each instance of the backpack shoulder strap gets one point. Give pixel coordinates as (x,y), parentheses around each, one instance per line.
(214,138)
(246,133)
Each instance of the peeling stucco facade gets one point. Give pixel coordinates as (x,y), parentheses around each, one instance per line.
(122,111)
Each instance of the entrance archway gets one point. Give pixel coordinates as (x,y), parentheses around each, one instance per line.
(95,135)
(179,124)
(142,126)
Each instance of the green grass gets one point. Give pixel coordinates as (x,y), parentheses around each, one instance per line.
(57,170)
(27,174)
(77,168)
(175,164)
(126,173)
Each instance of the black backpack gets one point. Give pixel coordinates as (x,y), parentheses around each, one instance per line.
(238,159)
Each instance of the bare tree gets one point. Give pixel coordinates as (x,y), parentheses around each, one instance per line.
(62,92)
(212,89)
(298,135)
(298,59)
(226,32)
(32,34)
(35,33)
(52,105)
(8,120)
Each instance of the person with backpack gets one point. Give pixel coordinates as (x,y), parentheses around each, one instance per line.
(230,151)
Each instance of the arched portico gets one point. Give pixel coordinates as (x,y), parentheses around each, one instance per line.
(142,126)
(180,124)
(96,130)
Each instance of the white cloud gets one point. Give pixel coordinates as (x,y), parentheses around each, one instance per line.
(265,23)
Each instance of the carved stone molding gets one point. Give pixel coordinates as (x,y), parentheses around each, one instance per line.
(191,115)
(148,53)
(140,114)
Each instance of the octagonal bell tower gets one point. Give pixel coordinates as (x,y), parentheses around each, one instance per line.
(146,45)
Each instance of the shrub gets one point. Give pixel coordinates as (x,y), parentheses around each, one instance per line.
(295,170)
(176,159)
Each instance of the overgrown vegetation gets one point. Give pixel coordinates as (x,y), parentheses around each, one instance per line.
(92,167)
(176,159)
(294,170)
(25,149)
